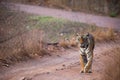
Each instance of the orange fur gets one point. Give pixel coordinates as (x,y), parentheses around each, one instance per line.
(82,63)
(81,40)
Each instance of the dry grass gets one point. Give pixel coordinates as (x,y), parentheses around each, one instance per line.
(20,48)
(112,70)
(104,34)
(100,34)
(73,42)
(18,42)
(64,43)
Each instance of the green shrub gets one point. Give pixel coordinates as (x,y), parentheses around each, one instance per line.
(113,14)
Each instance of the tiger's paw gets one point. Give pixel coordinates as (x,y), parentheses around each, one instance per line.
(89,71)
(81,71)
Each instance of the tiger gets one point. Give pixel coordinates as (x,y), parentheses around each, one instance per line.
(86,44)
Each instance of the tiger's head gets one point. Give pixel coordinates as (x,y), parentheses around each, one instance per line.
(82,40)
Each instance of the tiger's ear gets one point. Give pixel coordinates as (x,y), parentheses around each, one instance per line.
(87,34)
(79,37)
(77,34)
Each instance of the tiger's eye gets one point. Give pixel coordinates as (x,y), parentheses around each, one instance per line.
(81,40)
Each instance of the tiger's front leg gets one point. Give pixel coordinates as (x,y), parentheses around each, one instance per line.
(82,64)
(88,66)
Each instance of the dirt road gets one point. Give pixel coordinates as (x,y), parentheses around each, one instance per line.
(62,66)
(101,21)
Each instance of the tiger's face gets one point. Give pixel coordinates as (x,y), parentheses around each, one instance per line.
(82,40)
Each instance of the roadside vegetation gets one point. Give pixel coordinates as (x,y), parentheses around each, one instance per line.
(59,28)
